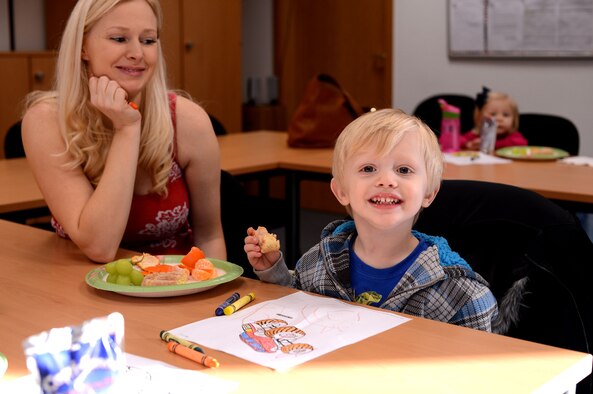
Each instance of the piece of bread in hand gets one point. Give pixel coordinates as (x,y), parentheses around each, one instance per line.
(267,241)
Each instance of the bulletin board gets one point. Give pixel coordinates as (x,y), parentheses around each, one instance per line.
(520,28)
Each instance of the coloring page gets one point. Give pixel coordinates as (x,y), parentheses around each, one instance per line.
(289,331)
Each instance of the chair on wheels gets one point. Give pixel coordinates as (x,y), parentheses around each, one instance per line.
(535,255)
(550,130)
(13,144)
(429,111)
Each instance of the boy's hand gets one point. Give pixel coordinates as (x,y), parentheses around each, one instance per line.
(109,98)
(257,259)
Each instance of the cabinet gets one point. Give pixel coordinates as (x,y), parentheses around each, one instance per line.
(20,73)
(202,45)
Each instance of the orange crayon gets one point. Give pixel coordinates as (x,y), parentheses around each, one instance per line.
(190,354)
(133,105)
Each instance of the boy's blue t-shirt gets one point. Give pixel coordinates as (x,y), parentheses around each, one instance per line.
(371,285)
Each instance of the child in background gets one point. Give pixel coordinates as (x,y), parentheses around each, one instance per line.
(500,107)
(387,166)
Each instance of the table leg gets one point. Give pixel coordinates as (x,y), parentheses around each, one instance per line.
(293,193)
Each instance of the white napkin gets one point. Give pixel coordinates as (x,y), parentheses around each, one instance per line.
(579,160)
(466,158)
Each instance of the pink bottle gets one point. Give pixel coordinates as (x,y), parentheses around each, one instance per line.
(450,127)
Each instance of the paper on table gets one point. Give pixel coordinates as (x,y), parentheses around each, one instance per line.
(578,160)
(146,376)
(466,158)
(289,331)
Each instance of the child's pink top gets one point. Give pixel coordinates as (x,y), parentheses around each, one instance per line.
(514,138)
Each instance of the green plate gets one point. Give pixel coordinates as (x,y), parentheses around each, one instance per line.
(3,364)
(531,153)
(227,272)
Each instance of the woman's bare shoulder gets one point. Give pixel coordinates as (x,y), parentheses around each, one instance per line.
(40,125)
(195,135)
(42,107)
(192,119)
(187,108)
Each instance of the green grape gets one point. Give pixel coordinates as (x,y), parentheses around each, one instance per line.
(112,278)
(123,267)
(123,280)
(110,267)
(136,277)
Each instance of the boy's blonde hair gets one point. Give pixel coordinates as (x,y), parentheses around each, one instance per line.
(383,130)
(81,124)
(492,95)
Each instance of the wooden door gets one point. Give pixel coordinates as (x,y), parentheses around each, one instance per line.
(43,68)
(348,39)
(170,41)
(211,64)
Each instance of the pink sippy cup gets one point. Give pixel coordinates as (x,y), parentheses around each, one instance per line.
(450,127)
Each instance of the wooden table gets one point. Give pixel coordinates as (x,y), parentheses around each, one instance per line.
(42,286)
(18,190)
(242,153)
(267,151)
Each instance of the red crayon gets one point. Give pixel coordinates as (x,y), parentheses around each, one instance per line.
(190,354)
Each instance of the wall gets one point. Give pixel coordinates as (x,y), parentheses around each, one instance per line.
(422,68)
(29,29)
(4,27)
(257,61)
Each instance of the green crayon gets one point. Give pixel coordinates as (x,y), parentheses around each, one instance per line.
(168,337)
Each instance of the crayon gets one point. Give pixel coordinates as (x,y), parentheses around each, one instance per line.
(133,105)
(168,337)
(240,303)
(220,310)
(188,353)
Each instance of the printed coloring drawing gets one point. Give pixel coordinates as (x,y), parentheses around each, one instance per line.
(290,330)
(271,335)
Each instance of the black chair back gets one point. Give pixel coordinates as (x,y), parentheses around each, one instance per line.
(13,144)
(429,111)
(535,255)
(550,130)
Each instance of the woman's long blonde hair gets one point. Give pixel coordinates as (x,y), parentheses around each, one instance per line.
(81,124)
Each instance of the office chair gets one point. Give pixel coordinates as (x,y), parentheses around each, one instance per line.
(239,210)
(550,130)
(217,125)
(13,145)
(535,255)
(429,111)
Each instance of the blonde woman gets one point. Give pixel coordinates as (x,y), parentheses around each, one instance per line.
(120,160)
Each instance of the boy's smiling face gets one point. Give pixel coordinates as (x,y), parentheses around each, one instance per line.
(386,191)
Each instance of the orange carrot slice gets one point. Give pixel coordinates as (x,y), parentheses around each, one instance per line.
(158,268)
(195,254)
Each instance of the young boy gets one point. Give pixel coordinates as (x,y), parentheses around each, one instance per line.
(387,166)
